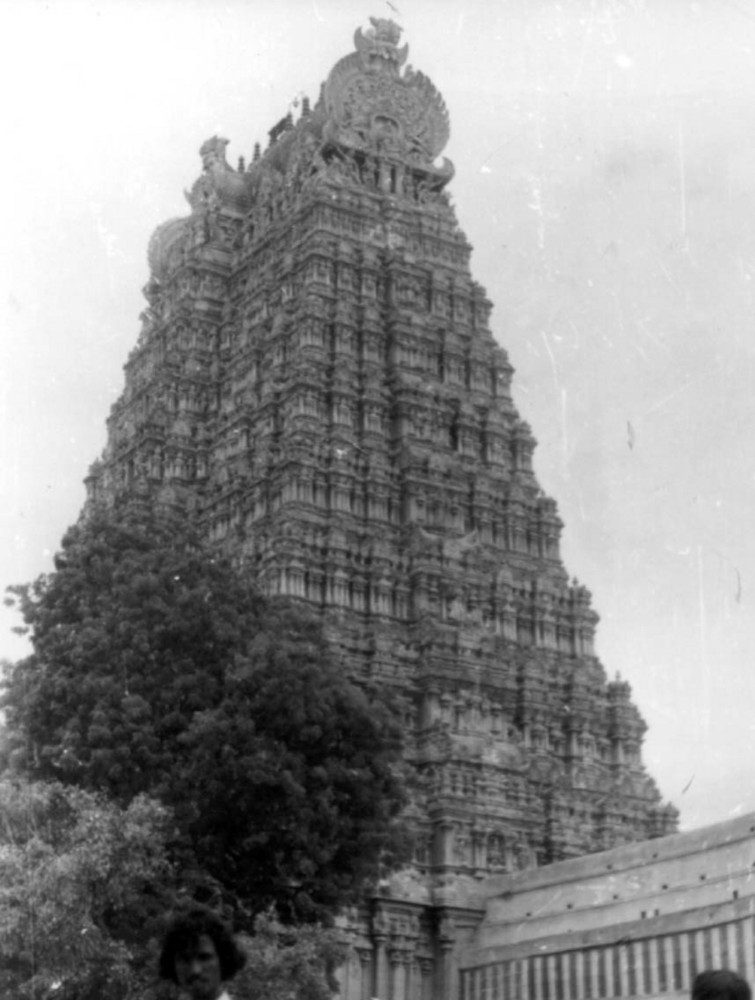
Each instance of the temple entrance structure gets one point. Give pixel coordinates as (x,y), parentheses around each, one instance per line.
(317,386)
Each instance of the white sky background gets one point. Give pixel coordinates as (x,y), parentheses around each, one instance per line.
(605,156)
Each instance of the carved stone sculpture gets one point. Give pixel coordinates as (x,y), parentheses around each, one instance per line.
(318,387)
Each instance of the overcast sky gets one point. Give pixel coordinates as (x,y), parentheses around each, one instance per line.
(605,156)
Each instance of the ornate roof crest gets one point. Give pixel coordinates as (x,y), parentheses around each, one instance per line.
(381,40)
(372,106)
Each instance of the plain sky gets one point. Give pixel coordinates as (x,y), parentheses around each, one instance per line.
(605,156)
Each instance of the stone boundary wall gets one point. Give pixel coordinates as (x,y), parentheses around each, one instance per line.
(641,961)
(638,921)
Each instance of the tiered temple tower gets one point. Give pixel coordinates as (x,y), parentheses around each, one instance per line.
(316,384)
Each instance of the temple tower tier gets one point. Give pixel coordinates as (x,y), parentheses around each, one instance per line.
(317,386)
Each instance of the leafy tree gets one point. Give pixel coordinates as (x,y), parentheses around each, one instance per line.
(86,889)
(82,885)
(131,637)
(157,668)
(294,778)
(290,963)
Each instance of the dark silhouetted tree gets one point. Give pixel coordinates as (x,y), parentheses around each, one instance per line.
(157,668)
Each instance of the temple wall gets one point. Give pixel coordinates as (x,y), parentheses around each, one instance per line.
(639,920)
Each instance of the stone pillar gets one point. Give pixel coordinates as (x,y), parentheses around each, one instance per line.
(698,941)
(380,979)
(424,989)
(712,945)
(447,988)
(735,958)
(685,960)
(539,973)
(637,962)
(612,987)
(444,844)
(479,851)
(365,956)
(399,957)
(625,957)
(667,957)
(550,978)
(525,964)
(579,975)
(654,958)
(594,960)
(748,936)
(564,977)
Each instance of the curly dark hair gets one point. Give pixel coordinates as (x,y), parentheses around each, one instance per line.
(184,932)
(720,984)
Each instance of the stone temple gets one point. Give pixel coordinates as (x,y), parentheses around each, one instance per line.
(316,384)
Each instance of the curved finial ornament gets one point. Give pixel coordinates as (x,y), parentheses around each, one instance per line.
(372,105)
(212,152)
(381,41)
(218,179)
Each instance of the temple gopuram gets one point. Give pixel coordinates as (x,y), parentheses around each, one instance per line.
(317,386)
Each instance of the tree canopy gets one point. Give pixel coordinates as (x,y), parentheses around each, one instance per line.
(86,892)
(83,886)
(156,668)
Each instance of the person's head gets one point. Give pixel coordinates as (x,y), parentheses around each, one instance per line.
(720,984)
(200,954)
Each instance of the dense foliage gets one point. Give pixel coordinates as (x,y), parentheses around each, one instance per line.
(290,963)
(132,635)
(292,779)
(86,889)
(83,885)
(157,669)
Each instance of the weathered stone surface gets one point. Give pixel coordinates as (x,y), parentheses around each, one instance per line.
(638,920)
(317,385)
